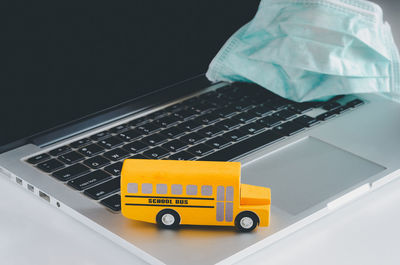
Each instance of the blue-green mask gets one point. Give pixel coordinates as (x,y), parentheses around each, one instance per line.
(311,49)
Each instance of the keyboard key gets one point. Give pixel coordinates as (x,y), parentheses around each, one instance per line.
(71,172)
(50,165)
(119,128)
(80,142)
(38,158)
(202,107)
(129,135)
(270,121)
(100,135)
(262,110)
(288,128)
(114,169)
(243,105)
(60,150)
(154,139)
(139,121)
(211,131)
(253,128)
(218,142)
(182,156)
(219,100)
(343,108)
(185,114)
(89,180)
(192,138)
(301,107)
(327,115)
(91,150)
(103,190)
(284,114)
(200,149)
(226,112)
(306,120)
(113,202)
(355,103)
(228,124)
(229,88)
(138,156)
(236,93)
(116,154)
(156,153)
(235,135)
(209,94)
(167,121)
(243,147)
(148,128)
(173,131)
(71,157)
(245,117)
(331,106)
(110,142)
(135,147)
(174,145)
(278,103)
(96,162)
(209,118)
(190,125)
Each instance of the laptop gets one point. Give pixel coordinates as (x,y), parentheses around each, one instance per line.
(87,87)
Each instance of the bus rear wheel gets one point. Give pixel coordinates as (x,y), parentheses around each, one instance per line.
(246,221)
(168,218)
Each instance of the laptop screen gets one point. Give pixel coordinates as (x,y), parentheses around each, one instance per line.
(62,62)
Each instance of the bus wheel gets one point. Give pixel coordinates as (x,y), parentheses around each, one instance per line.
(168,218)
(246,221)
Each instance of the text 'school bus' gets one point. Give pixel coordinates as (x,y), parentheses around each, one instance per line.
(171,193)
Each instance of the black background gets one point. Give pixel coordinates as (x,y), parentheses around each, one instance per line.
(59,62)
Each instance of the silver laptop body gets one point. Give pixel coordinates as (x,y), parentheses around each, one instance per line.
(310,174)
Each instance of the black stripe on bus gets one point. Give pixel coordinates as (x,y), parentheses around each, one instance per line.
(164,197)
(169,205)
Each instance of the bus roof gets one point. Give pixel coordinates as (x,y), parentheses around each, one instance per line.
(185,172)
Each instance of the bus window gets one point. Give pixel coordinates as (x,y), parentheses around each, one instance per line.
(220,211)
(147,188)
(220,193)
(176,189)
(161,188)
(191,189)
(220,203)
(229,211)
(132,187)
(229,193)
(206,190)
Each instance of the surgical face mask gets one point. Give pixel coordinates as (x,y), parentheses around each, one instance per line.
(312,49)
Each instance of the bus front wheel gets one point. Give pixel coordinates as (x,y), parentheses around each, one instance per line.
(168,218)
(246,221)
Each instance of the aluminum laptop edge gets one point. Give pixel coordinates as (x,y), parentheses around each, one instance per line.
(311,174)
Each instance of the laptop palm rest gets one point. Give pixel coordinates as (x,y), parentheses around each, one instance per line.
(307,172)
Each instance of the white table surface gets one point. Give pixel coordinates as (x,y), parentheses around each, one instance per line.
(366,231)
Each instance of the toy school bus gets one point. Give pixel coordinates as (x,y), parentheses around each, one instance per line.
(172,193)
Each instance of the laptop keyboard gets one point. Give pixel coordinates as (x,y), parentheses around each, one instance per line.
(216,126)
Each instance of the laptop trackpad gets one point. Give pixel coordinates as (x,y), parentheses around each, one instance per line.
(307,172)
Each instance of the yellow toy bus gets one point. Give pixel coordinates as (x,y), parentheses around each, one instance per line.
(172,193)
